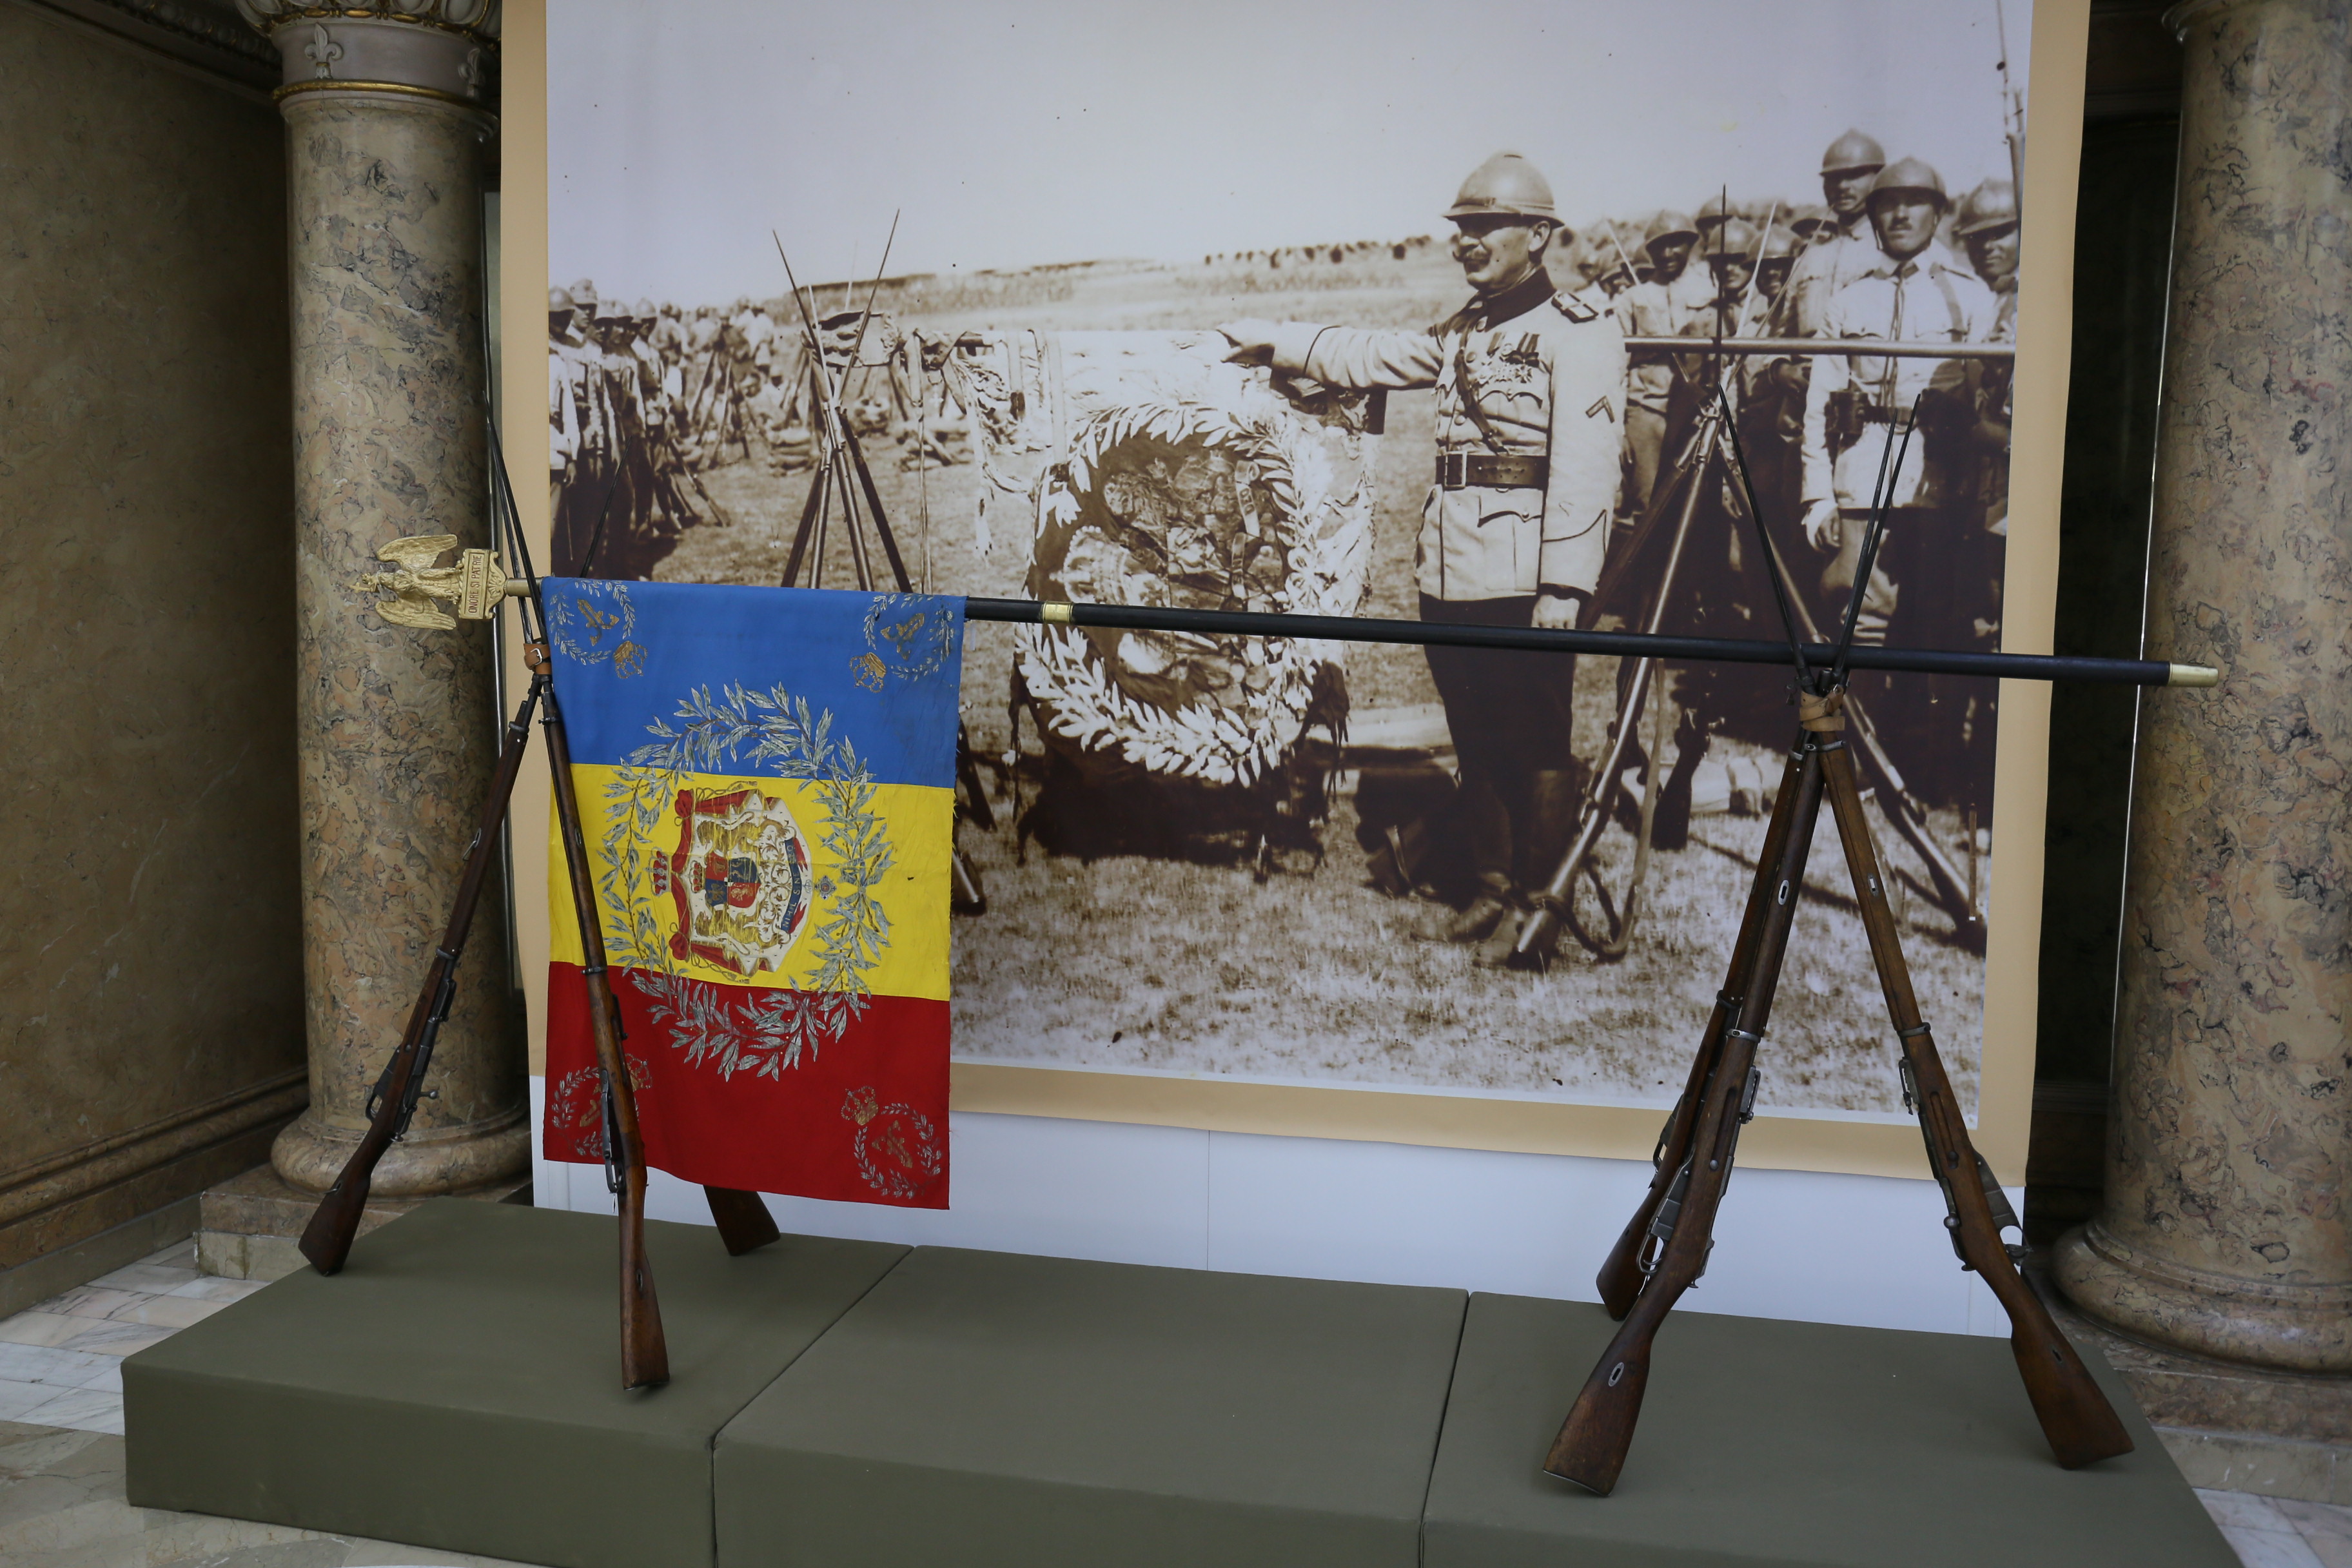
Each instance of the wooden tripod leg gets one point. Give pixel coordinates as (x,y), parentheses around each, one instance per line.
(1619,1280)
(1592,1443)
(744,1220)
(2080,1423)
(644,1352)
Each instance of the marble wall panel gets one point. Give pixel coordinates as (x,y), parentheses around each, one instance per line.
(151,1004)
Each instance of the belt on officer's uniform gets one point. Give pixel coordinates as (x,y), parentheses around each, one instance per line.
(1479,471)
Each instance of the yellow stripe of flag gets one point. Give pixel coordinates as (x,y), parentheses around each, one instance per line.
(684,867)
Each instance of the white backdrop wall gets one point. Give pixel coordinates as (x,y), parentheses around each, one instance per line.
(1866,1250)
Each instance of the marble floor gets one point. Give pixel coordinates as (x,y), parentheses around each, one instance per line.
(61,1495)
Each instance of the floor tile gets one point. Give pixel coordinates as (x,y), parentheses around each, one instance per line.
(2244,1510)
(212,1287)
(153,1277)
(38,1328)
(65,1368)
(102,1336)
(16,1399)
(2326,1528)
(166,1312)
(2269,1548)
(81,1410)
(89,1301)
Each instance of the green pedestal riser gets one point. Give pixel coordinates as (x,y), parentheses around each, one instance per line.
(1767,1443)
(842,1403)
(458,1387)
(990,1408)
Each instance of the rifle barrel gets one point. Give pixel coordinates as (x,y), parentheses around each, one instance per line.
(1539,639)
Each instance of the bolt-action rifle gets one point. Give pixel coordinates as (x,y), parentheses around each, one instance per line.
(1664,1247)
(743,1221)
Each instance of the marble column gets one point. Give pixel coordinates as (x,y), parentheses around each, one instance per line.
(2223,1229)
(386,131)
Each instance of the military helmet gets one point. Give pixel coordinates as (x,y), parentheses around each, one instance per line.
(1804,220)
(1668,225)
(611,311)
(1781,244)
(645,310)
(1908,174)
(1734,239)
(559,302)
(583,293)
(1505,184)
(1990,205)
(1716,210)
(1852,151)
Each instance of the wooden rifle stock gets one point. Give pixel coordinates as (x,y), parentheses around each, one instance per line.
(1593,1441)
(1619,1280)
(327,1240)
(2075,1418)
(644,1353)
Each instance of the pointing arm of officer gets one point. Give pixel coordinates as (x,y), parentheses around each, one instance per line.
(1350,357)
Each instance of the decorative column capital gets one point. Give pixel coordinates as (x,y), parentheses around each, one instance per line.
(439,48)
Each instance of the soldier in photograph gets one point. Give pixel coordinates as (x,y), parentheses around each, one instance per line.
(1844,247)
(1976,417)
(1855,403)
(1530,387)
(580,411)
(1657,307)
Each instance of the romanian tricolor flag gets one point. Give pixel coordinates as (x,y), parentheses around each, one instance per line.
(767,788)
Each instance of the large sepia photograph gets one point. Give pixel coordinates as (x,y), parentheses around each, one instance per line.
(1571,314)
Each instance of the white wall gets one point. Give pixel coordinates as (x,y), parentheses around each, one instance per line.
(1868,1250)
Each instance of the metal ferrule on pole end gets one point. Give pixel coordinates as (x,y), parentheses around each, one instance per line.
(2192,675)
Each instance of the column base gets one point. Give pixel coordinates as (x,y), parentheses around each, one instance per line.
(249,1226)
(2299,1328)
(312,1152)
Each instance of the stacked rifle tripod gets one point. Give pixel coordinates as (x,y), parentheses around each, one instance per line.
(842,470)
(1663,1247)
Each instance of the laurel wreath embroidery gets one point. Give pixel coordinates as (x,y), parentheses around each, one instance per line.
(1329,540)
(581,621)
(763,1034)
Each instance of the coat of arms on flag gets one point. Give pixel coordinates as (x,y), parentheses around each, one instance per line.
(766,780)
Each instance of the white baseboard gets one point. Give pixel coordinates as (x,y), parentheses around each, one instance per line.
(1866,1250)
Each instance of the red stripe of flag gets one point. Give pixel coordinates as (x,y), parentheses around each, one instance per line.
(861,1120)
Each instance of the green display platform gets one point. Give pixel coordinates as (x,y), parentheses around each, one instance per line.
(458,1387)
(983,1408)
(1774,1443)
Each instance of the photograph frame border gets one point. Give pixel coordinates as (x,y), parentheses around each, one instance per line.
(1782,1141)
